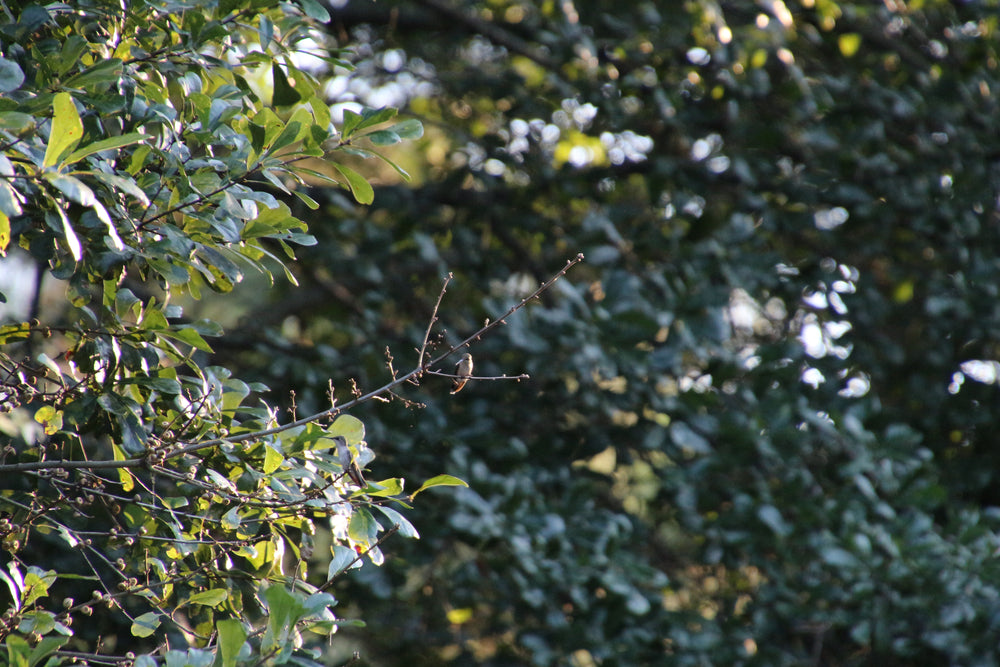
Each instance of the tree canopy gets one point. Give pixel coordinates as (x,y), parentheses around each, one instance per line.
(757,423)
(150,153)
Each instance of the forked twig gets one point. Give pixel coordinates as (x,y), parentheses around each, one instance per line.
(331,412)
(434,319)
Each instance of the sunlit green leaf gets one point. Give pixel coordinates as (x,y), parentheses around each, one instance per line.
(406,528)
(66,132)
(360,188)
(362,527)
(439,480)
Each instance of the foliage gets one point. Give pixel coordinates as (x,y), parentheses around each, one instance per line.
(154,508)
(758,425)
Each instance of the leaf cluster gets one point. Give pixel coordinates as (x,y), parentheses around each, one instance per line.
(149,155)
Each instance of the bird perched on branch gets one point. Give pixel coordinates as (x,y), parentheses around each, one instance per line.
(348,463)
(464,371)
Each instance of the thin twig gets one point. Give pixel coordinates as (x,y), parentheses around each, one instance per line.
(331,412)
(522,376)
(503,319)
(434,318)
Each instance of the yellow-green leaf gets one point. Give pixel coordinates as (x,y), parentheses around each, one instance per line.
(67,130)
(210,598)
(4,234)
(360,188)
(351,428)
(124,476)
(439,480)
(849,43)
(272,459)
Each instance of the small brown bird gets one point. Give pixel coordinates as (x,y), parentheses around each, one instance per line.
(348,464)
(464,371)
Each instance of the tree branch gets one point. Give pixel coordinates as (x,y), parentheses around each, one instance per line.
(330,413)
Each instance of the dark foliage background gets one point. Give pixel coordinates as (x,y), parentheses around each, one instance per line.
(760,421)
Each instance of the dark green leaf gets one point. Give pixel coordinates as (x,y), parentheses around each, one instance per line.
(314,10)
(284,93)
(11,76)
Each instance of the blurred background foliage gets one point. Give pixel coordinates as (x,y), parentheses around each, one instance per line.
(759,425)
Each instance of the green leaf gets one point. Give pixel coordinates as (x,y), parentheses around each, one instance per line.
(284,94)
(408,129)
(74,189)
(10,200)
(188,335)
(106,144)
(383,137)
(66,132)
(365,153)
(360,188)
(306,199)
(838,557)
(294,130)
(314,10)
(771,517)
(283,611)
(232,634)
(145,625)
(16,121)
(231,520)
(406,529)
(210,598)
(385,488)
(265,32)
(97,77)
(11,76)
(351,428)
(72,241)
(342,559)
(351,121)
(439,480)
(14,332)
(126,185)
(272,459)
(138,160)
(354,122)
(362,527)
(134,436)
(45,648)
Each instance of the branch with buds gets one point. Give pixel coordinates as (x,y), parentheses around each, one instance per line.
(424,366)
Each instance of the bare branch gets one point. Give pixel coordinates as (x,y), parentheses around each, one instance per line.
(433,320)
(522,376)
(329,413)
